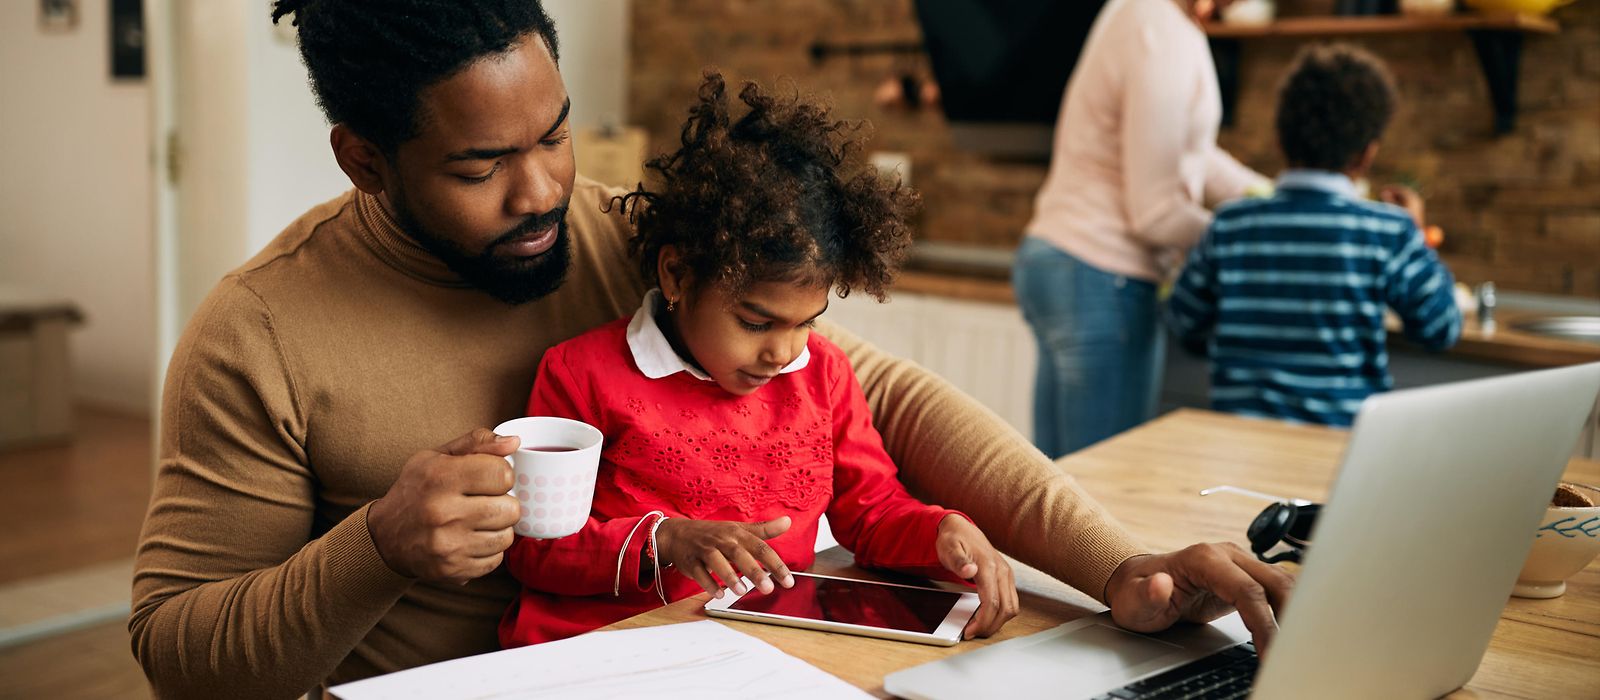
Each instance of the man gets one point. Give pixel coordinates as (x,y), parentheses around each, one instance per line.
(297,536)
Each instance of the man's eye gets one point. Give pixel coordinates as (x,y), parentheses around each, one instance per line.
(557,140)
(481,178)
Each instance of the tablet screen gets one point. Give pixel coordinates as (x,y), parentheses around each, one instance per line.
(854,602)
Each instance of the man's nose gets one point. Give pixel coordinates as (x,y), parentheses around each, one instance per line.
(534,190)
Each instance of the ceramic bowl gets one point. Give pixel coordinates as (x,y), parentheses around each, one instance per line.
(1567,540)
(1249,13)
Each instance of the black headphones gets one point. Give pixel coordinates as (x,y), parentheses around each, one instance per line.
(1283,522)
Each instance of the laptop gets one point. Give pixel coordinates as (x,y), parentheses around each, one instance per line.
(1411,562)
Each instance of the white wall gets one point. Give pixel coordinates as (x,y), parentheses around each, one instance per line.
(253,149)
(291,167)
(75,194)
(594,57)
(210,84)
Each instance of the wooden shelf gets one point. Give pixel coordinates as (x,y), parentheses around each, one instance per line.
(1496,37)
(1385,24)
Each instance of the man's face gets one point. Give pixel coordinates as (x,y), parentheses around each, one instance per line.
(485,183)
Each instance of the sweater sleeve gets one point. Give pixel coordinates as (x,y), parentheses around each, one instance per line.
(591,561)
(953,451)
(234,592)
(1421,290)
(1156,104)
(1191,311)
(1227,179)
(871,513)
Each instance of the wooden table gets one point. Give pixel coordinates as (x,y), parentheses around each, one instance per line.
(1150,477)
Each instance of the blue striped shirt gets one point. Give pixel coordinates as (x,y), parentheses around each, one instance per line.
(1287,295)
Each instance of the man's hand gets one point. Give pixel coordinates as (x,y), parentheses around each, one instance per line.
(725,549)
(965,551)
(448,516)
(1200,583)
(1407,199)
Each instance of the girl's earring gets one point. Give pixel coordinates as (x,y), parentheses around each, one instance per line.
(671,306)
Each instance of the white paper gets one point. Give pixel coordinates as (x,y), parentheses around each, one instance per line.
(702,660)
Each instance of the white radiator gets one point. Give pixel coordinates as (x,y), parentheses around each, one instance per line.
(985,350)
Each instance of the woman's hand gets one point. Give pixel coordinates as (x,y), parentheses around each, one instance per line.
(701,549)
(964,550)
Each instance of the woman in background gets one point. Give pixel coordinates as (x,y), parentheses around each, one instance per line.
(1134,163)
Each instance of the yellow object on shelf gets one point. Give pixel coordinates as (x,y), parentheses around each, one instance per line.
(1527,7)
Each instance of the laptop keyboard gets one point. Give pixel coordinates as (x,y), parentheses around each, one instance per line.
(1225,674)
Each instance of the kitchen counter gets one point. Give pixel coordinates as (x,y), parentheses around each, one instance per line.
(971,275)
(955,286)
(1505,344)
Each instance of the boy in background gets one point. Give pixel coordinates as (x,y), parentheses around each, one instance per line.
(1287,294)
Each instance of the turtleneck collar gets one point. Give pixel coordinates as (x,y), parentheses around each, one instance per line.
(398,249)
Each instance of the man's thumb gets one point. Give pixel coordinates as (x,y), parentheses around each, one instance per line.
(482,441)
(1156,591)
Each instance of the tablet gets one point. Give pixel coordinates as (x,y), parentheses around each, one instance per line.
(852,606)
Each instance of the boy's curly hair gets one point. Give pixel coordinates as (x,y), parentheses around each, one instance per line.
(1336,100)
(772,196)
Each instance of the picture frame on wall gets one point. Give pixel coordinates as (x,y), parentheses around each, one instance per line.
(127,40)
(58,15)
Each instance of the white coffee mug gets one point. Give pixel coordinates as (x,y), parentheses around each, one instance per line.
(555,469)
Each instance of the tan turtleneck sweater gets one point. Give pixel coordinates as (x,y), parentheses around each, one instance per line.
(311,374)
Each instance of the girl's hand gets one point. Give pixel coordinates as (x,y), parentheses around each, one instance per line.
(725,549)
(965,551)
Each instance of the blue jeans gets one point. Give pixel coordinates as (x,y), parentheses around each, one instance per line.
(1101,348)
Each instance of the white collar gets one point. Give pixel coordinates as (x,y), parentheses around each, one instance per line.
(655,356)
(1319,180)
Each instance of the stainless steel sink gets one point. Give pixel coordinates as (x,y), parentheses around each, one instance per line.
(1584,329)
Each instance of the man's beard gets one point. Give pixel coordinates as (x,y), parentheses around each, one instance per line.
(512,280)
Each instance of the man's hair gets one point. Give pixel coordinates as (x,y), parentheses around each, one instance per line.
(776,195)
(1335,101)
(370,59)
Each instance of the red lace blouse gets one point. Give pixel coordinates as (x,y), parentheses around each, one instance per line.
(803,445)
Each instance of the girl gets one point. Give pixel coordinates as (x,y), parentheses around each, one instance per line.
(730,427)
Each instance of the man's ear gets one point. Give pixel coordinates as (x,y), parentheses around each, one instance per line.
(360,159)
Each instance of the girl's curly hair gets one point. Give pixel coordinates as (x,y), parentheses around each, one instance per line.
(775,195)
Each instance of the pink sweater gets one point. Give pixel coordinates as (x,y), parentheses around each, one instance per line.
(1136,155)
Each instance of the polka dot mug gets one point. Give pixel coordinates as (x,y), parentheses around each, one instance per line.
(555,469)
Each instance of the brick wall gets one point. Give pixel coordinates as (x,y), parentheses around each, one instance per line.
(1522,209)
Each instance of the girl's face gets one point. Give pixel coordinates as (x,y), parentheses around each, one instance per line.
(743,342)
